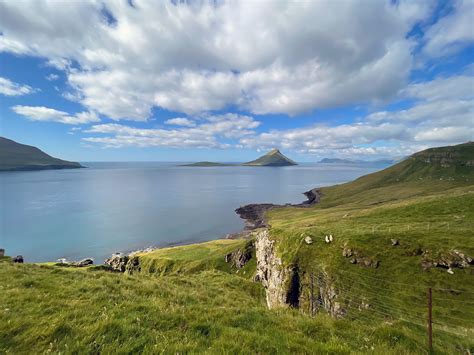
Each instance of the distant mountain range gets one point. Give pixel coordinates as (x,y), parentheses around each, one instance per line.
(19,157)
(272,158)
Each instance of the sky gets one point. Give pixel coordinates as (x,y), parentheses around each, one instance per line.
(137,80)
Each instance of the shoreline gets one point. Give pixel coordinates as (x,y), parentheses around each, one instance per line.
(253,216)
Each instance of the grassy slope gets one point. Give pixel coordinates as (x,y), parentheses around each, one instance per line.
(51,309)
(425,207)
(194,258)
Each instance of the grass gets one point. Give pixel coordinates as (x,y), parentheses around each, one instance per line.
(64,310)
(195,257)
(430,213)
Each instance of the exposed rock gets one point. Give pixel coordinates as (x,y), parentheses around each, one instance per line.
(450,271)
(395,242)
(84,262)
(347,252)
(327,297)
(18,259)
(308,240)
(133,265)
(254,214)
(117,262)
(270,272)
(356,258)
(450,260)
(238,258)
(313,196)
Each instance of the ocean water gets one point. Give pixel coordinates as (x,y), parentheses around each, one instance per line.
(112,207)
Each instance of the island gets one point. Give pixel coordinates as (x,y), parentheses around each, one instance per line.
(207,164)
(15,156)
(272,158)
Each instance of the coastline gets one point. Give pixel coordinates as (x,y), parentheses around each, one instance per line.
(253,216)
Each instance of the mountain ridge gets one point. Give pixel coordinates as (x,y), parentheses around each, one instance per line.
(272,158)
(15,156)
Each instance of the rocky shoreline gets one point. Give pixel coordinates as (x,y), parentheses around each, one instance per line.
(254,214)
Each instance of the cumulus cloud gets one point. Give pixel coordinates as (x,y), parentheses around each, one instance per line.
(452,32)
(41,113)
(9,88)
(194,57)
(207,134)
(442,113)
(180,121)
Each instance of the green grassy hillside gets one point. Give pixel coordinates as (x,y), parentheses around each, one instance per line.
(16,156)
(63,310)
(189,299)
(427,205)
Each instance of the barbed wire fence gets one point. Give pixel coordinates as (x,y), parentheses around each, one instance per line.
(398,228)
(433,310)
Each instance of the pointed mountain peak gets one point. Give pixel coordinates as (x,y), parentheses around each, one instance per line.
(272,158)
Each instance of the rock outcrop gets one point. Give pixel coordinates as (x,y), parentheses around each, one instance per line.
(18,259)
(356,257)
(239,258)
(117,262)
(448,260)
(81,263)
(254,214)
(271,273)
(124,263)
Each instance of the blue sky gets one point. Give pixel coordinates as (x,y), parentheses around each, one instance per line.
(225,81)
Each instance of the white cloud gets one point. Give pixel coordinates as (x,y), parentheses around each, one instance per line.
(264,57)
(452,32)
(52,77)
(446,134)
(41,113)
(442,113)
(180,121)
(204,135)
(9,88)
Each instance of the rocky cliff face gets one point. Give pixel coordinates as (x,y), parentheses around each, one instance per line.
(292,287)
(270,272)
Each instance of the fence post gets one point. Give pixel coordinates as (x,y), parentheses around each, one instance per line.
(312,294)
(430,321)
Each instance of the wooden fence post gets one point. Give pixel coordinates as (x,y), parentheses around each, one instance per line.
(430,321)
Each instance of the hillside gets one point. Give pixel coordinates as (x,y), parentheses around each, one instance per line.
(272,158)
(283,289)
(15,156)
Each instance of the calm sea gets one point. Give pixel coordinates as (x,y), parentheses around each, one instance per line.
(111,207)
